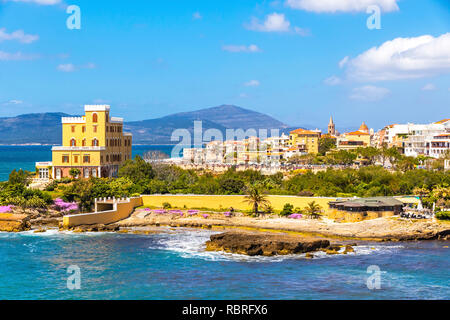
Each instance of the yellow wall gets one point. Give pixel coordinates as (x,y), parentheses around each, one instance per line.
(310,140)
(121,211)
(357,216)
(82,129)
(225,202)
(57,156)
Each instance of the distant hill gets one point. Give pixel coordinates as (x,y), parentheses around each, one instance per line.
(45,128)
(221,118)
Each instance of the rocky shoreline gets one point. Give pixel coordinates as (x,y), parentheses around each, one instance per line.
(250,236)
(263,244)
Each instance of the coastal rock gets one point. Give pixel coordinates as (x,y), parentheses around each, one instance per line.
(96,228)
(41,221)
(256,244)
(14,222)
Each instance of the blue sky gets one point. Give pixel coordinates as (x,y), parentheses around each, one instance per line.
(297,60)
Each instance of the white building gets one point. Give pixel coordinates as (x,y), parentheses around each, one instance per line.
(430,140)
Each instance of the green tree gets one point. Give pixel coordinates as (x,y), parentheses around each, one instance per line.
(19,177)
(74,172)
(326,144)
(255,197)
(138,171)
(313,210)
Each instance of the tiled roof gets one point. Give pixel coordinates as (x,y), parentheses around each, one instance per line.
(358,133)
(303,131)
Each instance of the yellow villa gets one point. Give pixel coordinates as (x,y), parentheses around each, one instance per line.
(95,144)
(305,140)
(356,139)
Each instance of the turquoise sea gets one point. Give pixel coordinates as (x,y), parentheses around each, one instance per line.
(174,265)
(25,157)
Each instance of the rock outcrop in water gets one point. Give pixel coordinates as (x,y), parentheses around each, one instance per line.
(253,244)
(14,222)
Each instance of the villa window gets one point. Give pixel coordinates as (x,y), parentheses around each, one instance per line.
(83,129)
(94,118)
(73,143)
(94,173)
(107,158)
(86,173)
(87,159)
(58,173)
(73,128)
(95,143)
(75,159)
(95,128)
(84,143)
(65,159)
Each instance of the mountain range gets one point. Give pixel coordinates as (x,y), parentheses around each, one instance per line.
(45,128)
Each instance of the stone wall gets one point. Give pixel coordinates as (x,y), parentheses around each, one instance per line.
(117,209)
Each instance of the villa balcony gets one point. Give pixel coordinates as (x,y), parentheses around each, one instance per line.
(63,148)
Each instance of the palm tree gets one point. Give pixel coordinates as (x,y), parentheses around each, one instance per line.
(313,210)
(255,197)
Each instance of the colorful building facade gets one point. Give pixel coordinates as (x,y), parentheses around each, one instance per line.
(305,140)
(95,144)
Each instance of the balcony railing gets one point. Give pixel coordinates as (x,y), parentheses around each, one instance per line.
(63,148)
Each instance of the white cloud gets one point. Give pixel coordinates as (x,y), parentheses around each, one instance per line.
(343,62)
(302,32)
(252,83)
(241,48)
(40,2)
(274,22)
(429,87)
(197,16)
(12,102)
(333,81)
(18,35)
(403,58)
(17,56)
(333,6)
(369,93)
(68,67)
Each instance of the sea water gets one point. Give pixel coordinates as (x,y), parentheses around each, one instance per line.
(174,265)
(25,157)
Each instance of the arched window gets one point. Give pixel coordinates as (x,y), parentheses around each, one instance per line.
(107,158)
(58,173)
(94,118)
(94,173)
(84,142)
(73,142)
(86,173)
(95,142)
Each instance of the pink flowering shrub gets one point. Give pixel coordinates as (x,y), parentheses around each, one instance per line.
(61,205)
(205,216)
(295,216)
(227,214)
(192,212)
(6,209)
(159,211)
